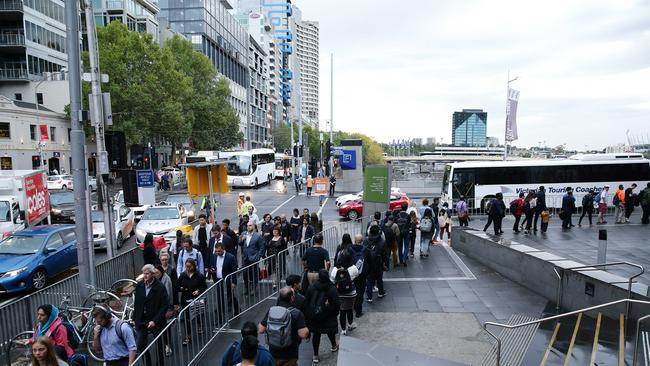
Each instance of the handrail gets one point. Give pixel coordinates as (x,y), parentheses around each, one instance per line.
(594,266)
(559,316)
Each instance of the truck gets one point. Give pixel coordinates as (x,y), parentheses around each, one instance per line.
(24,200)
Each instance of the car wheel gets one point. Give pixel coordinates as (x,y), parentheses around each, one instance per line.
(64,187)
(39,279)
(120,240)
(353,215)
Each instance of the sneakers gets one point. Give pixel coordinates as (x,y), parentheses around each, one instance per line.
(352,326)
(315,359)
(344,332)
(375,289)
(369,301)
(381,295)
(335,348)
(168,351)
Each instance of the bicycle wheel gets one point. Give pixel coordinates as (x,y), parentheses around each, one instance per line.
(105,298)
(18,351)
(88,340)
(124,287)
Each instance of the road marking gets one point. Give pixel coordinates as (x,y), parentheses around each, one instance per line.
(282,204)
(320,210)
(425,279)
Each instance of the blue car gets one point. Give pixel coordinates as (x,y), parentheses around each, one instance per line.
(30,256)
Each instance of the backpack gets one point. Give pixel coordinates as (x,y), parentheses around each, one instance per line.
(278,331)
(426,224)
(343,282)
(120,333)
(78,359)
(514,204)
(533,203)
(358,258)
(598,197)
(389,235)
(442,218)
(318,306)
(585,200)
(402,222)
(616,200)
(375,256)
(73,339)
(488,207)
(231,353)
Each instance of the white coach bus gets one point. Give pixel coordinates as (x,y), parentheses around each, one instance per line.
(282,165)
(480,181)
(249,168)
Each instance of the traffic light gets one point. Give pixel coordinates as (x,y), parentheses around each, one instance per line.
(328,150)
(36,161)
(146,161)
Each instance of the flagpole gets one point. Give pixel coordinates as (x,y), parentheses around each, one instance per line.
(505,133)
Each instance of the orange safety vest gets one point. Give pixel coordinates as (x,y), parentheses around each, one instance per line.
(310,182)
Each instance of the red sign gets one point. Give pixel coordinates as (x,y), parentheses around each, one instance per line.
(44,133)
(38,204)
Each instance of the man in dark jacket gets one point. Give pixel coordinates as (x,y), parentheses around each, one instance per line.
(540,206)
(630,201)
(568,208)
(151,304)
(219,236)
(361,259)
(496,213)
(222,265)
(436,210)
(378,262)
(403,221)
(253,249)
(225,228)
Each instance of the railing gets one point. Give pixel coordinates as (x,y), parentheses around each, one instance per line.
(560,316)
(11,5)
(13,74)
(560,276)
(20,315)
(477,206)
(12,39)
(211,313)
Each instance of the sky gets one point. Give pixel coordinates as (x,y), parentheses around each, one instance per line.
(402,68)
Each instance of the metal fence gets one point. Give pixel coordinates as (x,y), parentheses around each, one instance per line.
(477,206)
(20,315)
(243,291)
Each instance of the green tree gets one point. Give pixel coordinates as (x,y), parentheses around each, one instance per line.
(282,137)
(372,151)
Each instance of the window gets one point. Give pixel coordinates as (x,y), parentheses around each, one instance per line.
(53,134)
(5,163)
(54,242)
(39,97)
(18,96)
(68,236)
(4,130)
(69,135)
(32,132)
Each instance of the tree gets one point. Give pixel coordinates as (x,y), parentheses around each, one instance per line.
(282,137)
(372,151)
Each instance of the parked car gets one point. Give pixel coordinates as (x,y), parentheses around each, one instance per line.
(124,220)
(354,209)
(56,182)
(62,207)
(161,220)
(138,211)
(190,208)
(30,256)
(357,196)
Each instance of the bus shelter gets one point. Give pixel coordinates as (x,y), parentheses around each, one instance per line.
(205,179)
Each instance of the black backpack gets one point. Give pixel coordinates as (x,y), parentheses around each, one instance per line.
(402,222)
(585,200)
(318,306)
(616,200)
(375,256)
(343,281)
(389,235)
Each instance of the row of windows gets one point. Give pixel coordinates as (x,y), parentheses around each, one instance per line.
(42,36)
(37,65)
(34,132)
(225,63)
(47,7)
(554,174)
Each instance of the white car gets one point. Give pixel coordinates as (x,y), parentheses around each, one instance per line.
(160,220)
(341,200)
(56,182)
(138,211)
(124,226)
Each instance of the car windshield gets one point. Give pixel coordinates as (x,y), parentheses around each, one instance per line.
(239,165)
(21,245)
(120,197)
(5,213)
(160,213)
(63,198)
(184,200)
(97,216)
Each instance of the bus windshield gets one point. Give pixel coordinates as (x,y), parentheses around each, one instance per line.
(239,165)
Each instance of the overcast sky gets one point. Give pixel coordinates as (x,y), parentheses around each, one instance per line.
(402,68)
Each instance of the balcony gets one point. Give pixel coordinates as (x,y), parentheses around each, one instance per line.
(13,74)
(8,5)
(12,39)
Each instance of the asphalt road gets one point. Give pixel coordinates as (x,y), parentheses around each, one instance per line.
(271,198)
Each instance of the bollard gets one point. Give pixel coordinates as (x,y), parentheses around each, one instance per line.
(602,246)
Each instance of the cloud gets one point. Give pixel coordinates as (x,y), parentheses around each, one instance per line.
(402,69)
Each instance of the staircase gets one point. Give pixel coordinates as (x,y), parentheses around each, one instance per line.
(582,337)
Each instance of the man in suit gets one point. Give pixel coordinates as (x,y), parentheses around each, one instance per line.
(218,236)
(305,233)
(201,235)
(224,264)
(151,303)
(253,248)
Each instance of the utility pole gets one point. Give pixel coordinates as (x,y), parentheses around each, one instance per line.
(332,98)
(97,119)
(77,144)
(300,147)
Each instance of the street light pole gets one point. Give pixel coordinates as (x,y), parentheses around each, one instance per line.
(38,116)
(505,142)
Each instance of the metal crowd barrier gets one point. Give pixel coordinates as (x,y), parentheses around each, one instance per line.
(20,315)
(477,206)
(211,313)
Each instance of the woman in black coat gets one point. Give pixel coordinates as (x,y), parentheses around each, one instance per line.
(149,252)
(322,315)
(191,284)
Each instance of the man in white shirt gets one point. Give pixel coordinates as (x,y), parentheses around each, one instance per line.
(602,205)
(253,218)
(224,264)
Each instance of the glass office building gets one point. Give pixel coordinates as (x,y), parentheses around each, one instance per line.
(469,128)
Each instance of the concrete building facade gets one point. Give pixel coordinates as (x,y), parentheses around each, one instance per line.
(308,56)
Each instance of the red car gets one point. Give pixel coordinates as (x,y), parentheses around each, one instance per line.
(354,209)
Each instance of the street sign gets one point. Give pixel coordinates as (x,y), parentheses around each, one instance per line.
(376,184)
(144,178)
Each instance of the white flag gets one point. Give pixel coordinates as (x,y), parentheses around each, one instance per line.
(511,115)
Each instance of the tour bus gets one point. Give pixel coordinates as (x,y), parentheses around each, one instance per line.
(478,181)
(248,168)
(282,163)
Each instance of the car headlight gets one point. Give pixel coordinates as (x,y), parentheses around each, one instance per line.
(14,273)
(56,211)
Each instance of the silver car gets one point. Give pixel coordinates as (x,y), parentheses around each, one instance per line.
(160,220)
(124,226)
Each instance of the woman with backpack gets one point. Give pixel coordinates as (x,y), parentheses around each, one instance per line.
(323,305)
(343,276)
(344,247)
(149,252)
(51,326)
(462,212)
(413,231)
(529,210)
(191,284)
(444,221)
(517,209)
(361,259)
(426,232)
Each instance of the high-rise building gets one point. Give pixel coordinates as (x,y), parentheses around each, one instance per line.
(32,39)
(215,32)
(257,96)
(308,57)
(138,15)
(469,128)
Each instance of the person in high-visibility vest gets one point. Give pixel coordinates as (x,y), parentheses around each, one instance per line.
(240,203)
(310,184)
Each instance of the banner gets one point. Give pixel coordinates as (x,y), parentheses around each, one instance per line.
(44,133)
(376,184)
(511,115)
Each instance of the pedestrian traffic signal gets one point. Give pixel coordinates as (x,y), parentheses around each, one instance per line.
(36,161)
(146,161)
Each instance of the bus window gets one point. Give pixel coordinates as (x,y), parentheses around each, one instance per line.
(463,183)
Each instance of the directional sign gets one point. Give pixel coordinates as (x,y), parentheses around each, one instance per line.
(145,178)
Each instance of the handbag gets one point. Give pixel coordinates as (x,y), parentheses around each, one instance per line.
(264,273)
